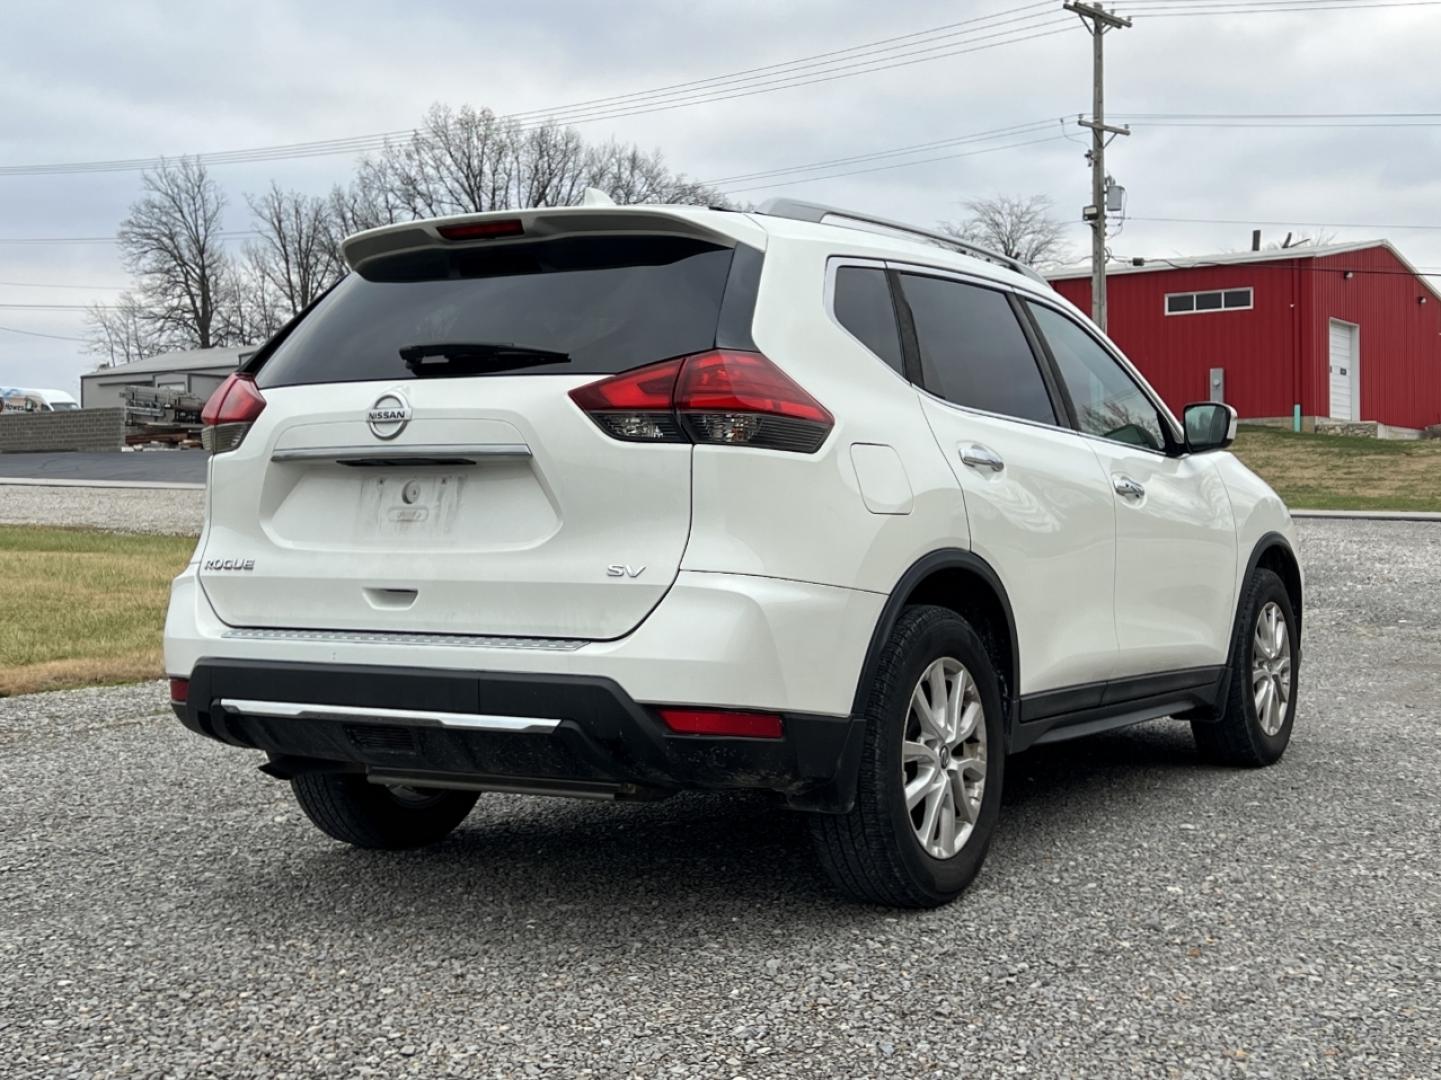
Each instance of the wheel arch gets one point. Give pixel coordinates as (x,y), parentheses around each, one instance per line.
(1274,552)
(968,585)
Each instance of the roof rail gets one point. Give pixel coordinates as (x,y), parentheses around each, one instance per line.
(797,210)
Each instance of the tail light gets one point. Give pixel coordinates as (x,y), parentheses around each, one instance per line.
(725,722)
(720,397)
(179,690)
(228,414)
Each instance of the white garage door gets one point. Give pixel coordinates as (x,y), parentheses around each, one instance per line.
(1343,371)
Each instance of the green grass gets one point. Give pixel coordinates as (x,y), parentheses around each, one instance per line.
(83,607)
(1336,472)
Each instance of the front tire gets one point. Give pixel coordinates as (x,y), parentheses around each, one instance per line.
(929,789)
(348,808)
(1254,726)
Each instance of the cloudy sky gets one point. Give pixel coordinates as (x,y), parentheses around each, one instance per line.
(97,82)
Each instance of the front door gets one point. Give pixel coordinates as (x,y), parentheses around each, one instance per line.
(1038,502)
(1175,531)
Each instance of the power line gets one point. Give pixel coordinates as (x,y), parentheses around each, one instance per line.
(1281,254)
(36,333)
(896,165)
(53,307)
(1301,224)
(233,234)
(928,33)
(981,136)
(57,285)
(803,71)
(1275,8)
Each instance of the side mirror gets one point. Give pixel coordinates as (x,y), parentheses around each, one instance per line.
(1209,426)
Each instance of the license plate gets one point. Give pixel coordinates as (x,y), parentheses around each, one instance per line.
(412,506)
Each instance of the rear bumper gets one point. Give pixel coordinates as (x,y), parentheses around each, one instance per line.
(584,736)
(716,640)
(728,640)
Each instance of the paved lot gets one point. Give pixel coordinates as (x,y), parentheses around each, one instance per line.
(164,909)
(166,466)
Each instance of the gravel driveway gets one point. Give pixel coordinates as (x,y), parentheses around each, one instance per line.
(146,510)
(164,909)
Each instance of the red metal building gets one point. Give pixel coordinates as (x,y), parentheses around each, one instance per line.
(1347,331)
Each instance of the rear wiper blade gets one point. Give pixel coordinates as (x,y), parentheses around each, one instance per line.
(460,357)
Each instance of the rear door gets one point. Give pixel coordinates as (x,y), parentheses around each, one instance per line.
(476,498)
(1037,500)
(1175,531)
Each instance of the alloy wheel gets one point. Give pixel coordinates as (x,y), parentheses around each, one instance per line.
(943,757)
(1271,668)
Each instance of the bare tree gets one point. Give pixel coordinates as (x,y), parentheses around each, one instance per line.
(1020,228)
(120,333)
(171,242)
(628,175)
(470,160)
(295,257)
(253,306)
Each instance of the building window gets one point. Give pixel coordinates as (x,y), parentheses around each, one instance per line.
(1190,303)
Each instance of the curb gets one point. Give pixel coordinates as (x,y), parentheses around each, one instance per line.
(159,485)
(1370,515)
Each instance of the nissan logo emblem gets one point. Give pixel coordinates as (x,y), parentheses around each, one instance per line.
(388,416)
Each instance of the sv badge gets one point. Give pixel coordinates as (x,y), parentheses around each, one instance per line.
(624,570)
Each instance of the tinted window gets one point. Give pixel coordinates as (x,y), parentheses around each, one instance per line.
(973,351)
(1182,302)
(610,303)
(1238,298)
(1108,402)
(1208,301)
(863,306)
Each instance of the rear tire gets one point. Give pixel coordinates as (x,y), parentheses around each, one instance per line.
(884,851)
(1254,726)
(348,808)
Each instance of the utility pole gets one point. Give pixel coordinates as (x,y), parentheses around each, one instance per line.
(1098,21)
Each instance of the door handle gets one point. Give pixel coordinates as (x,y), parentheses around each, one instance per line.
(1127,487)
(981,457)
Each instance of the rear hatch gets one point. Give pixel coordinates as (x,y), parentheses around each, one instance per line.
(460,489)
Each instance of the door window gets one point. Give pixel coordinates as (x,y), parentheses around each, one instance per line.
(863,306)
(973,351)
(1108,401)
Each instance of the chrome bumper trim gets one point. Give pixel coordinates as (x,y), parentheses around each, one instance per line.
(380,637)
(292,710)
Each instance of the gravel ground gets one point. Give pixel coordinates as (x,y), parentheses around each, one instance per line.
(152,510)
(165,910)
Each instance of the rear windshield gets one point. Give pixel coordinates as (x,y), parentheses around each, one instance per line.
(609,303)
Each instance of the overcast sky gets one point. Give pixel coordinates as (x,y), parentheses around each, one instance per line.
(84,82)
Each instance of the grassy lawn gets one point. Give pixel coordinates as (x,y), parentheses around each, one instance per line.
(1333,472)
(81,607)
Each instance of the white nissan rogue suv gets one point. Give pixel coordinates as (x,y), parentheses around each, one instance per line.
(617,501)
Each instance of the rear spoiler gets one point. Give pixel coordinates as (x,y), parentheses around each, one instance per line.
(717,226)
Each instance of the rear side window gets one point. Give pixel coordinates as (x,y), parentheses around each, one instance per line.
(973,351)
(863,306)
(609,303)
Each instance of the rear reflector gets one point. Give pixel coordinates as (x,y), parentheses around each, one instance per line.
(483,230)
(720,397)
(744,725)
(228,414)
(179,691)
